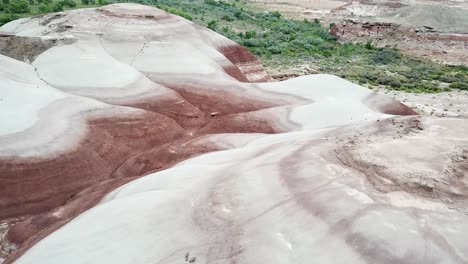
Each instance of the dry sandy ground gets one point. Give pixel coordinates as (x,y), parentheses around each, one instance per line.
(297,9)
(319,5)
(147,139)
(446,104)
(380,9)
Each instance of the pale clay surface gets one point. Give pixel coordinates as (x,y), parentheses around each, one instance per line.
(345,182)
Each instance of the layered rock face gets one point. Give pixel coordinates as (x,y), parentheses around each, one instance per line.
(450,48)
(130,135)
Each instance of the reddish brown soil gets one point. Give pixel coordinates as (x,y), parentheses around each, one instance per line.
(30,231)
(238,123)
(388,106)
(35,186)
(248,68)
(165,156)
(184,113)
(118,150)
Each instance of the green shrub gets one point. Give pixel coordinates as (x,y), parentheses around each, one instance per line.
(459,85)
(19,6)
(213,24)
(4,7)
(238,14)
(211,2)
(385,56)
(250,34)
(57,7)
(227,18)
(276,14)
(177,12)
(90,2)
(251,43)
(68,3)
(5,18)
(44,8)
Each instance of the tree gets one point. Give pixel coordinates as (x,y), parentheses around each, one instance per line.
(19,6)
(385,56)
(69,3)
(44,8)
(57,6)
(5,18)
(250,34)
(276,14)
(212,24)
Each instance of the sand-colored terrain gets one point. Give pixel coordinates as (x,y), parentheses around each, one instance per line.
(296,9)
(139,137)
(445,104)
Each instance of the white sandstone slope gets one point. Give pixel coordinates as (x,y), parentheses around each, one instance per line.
(235,169)
(287,198)
(38,120)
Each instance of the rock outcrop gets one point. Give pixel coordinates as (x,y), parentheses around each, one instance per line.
(449,48)
(134,136)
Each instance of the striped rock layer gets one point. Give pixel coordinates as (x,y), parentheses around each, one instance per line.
(129,135)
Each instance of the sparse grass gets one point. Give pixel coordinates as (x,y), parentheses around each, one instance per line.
(14,9)
(281,43)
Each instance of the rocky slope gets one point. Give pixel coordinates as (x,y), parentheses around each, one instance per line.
(447,48)
(237,169)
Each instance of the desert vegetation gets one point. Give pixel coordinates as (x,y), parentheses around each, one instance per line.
(281,43)
(14,9)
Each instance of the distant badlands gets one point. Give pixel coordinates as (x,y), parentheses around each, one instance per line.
(436,30)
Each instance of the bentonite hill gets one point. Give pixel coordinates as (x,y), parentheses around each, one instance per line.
(129,135)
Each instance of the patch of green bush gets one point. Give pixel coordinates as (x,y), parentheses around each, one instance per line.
(459,85)
(175,11)
(5,18)
(88,2)
(385,56)
(19,6)
(45,8)
(213,24)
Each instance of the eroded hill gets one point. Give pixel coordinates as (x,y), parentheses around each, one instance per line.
(135,136)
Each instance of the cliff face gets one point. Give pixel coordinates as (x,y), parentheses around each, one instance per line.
(106,114)
(450,48)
